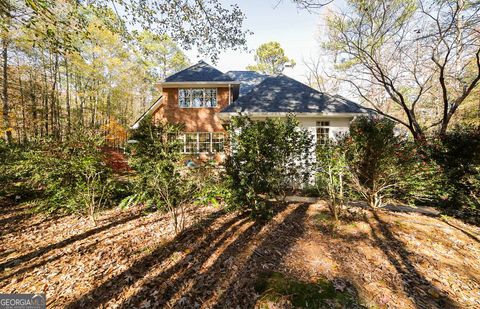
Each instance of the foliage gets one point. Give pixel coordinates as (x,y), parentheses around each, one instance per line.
(268,159)
(331,176)
(10,156)
(160,55)
(207,25)
(72,174)
(458,154)
(163,181)
(416,62)
(115,134)
(380,162)
(271,59)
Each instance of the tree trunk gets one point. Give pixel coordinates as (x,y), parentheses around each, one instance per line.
(24,120)
(6,109)
(67,101)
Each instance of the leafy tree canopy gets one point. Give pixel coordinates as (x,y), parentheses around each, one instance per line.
(205,24)
(270,59)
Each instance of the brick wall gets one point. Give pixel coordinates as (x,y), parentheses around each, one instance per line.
(195,119)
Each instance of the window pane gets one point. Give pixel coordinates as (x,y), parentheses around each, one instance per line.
(198,98)
(204,142)
(184,97)
(322,135)
(191,143)
(211,97)
(218,144)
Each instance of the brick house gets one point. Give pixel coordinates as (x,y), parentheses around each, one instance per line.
(204,98)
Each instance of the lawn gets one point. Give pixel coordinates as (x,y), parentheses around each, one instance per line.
(131,259)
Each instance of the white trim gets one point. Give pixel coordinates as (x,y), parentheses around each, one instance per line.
(187,84)
(226,115)
(152,107)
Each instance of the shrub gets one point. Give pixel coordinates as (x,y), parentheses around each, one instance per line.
(10,156)
(268,159)
(380,162)
(332,173)
(163,181)
(458,155)
(72,174)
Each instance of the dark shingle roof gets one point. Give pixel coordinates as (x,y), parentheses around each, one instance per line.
(282,94)
(248,79)
(200,72)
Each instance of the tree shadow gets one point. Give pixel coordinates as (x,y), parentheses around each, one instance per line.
(34,254)
(412,280)
(88,247)
(464,231)
(268,255)
(115,285)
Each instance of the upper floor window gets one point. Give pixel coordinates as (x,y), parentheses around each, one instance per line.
(323,132)
(197,97)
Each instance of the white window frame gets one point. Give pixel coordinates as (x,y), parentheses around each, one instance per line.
(196,150)
(204,101)
(322,124)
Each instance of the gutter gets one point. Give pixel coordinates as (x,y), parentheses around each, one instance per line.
(226,115)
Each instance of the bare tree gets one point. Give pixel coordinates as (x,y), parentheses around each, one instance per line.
(317,76)
(421,55)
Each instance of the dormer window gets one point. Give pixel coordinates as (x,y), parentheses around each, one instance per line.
(197,97)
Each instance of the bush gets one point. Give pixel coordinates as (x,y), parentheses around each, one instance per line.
(72,174)
(380,162)
(163,181)
(268,159)
(332,174)
(458,155)
(10,156)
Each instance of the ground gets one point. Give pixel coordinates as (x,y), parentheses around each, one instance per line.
(131,259)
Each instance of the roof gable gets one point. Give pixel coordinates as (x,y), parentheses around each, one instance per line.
(199,72)
(282,94)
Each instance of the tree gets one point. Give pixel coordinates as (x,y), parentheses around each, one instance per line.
(421,55)
(204,24)
(317,77)
(270,58)
(160,55)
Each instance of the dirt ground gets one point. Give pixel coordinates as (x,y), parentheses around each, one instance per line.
(131,259)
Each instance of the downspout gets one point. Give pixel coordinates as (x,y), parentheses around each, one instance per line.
(229,94)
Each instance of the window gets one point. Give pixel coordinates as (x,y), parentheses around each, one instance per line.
(197,97)
(323,132)
(184,97)
(202,142)
(191,143)
(218,142)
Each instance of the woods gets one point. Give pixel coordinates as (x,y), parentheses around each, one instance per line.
(76,64)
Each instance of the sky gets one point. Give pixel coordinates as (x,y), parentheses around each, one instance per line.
(297,31)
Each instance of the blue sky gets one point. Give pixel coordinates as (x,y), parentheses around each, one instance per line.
(296,30)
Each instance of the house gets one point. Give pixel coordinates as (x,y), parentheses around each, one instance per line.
(204,98)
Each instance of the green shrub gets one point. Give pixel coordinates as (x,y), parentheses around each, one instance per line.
(10,157)
(380,162)
(72,174)
(458,155)
(268,159)
(332,174)
(163,181)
